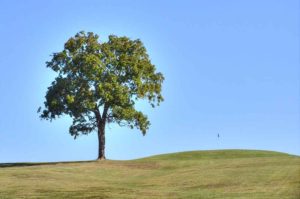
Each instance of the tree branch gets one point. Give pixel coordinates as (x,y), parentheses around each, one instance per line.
(97,114)
(104,114)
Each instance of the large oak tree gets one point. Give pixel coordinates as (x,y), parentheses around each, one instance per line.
(100,82)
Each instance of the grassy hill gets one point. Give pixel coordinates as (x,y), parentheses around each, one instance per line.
(197,174)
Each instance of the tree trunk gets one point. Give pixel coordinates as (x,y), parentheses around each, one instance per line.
(101,121)
(101,139)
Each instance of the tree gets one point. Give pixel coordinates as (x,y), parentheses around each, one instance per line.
(99,83)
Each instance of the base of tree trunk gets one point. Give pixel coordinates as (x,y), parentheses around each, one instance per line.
(101,158)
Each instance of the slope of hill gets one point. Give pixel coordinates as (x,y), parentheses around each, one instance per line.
(197,174)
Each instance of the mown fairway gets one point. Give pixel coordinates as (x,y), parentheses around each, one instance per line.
(199,174)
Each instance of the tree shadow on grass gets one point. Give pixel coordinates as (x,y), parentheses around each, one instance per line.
(28,164)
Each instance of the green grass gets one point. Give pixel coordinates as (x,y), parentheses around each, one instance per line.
(225,174)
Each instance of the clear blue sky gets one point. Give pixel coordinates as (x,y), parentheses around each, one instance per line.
(231,67)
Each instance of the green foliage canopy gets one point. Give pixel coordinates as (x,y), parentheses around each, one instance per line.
(108,77)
